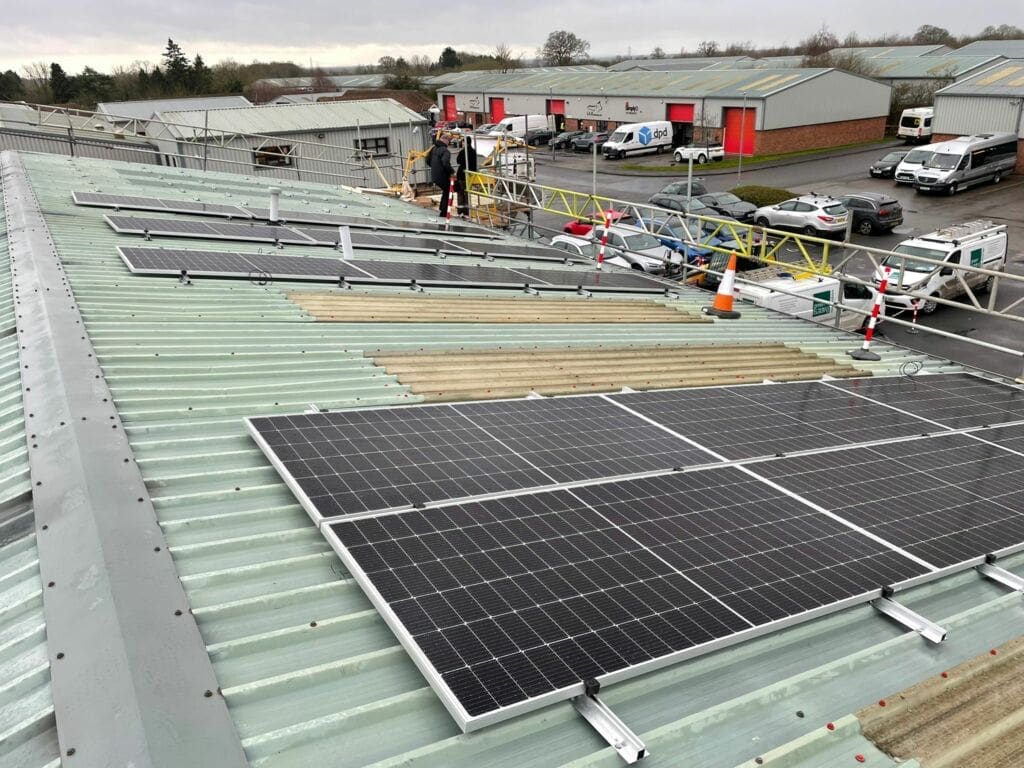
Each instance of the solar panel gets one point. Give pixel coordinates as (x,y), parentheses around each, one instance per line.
(312,217)
(762,420)
(947,499)
(1011,438)
(439,227)
(205,230)
(507,250)
(171,261)
(595,280)
(157,204)
(510,603)
(381,242)
(955,400)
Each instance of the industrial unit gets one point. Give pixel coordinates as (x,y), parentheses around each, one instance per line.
(990,101)
(752,111)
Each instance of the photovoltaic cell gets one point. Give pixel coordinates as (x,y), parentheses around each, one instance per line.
(157,204)
(515,250)
(171,261)
(955,400)
(205,230)
(947,499)
(762,420)
(511,599)
(313,217)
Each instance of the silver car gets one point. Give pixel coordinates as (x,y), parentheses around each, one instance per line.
(810,214)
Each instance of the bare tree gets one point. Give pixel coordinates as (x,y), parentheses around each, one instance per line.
(927,33)
(37,82)
(821,42)
(321,83)
(562,48)
(658,53)
(707,48)
(505,58)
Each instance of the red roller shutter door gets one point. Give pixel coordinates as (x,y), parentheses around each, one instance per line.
(679,113)
(556,106)
(449,108)
(739,129)
(497,110)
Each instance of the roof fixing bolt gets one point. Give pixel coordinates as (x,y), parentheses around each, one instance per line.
(208,694)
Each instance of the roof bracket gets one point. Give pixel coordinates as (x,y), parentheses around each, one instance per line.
(912,620)
(184,279)
(990,570)
(607,723)
(528,289)
(584,292)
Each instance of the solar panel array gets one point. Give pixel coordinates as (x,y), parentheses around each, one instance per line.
(172,262)
(519,548)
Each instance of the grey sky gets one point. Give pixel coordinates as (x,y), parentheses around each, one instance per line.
(341,33)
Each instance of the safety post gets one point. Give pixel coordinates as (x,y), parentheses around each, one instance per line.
(913,327)
(604,238)
(722,305)
(865,353)
(451,201)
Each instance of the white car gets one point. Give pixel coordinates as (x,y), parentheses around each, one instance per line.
(817,215)
(629,247)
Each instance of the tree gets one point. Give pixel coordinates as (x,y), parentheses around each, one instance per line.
(60,84)
(1002,32)
(562,48)
(707,48)
(929,34)
(658,52)
(505,59)
(200,76)
(91,87)
(449,59)
(176,67)
(11,87)
(822,41)
(386,63)
(321,82)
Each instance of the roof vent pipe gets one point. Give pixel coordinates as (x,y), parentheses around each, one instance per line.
(275,204)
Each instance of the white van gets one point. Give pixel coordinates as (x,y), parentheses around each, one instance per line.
(916,125)
(519,125)
(906,171)
(638,138)
(959,163)
(976,244)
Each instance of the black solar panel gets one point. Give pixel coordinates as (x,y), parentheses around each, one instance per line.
(171,261)
(507,250)
(1011,438)
(157,204)
(313,217)
(516,598)
(205,230)
(955,400)
(595,280)
(763,420)
(380,241)
(947,499)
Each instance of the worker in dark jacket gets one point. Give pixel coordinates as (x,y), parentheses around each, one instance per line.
(467,162)
(441,170)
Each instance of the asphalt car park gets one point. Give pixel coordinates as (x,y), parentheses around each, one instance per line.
(838,175)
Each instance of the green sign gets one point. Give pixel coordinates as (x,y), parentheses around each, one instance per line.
(819,308)
(976,257)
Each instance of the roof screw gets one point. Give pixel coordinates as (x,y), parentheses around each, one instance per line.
(178,612)
(51,583)
(799,713)
(156,549)
(208,694)
(71,752)
(60,655)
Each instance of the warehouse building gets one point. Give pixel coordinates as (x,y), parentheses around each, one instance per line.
(927,70)
(447,78)
(988,102)
(339,142)
(134,115)
(892,51)
(679,63)
(1011,49)
(773,110)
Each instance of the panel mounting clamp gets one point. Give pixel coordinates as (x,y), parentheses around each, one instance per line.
(607,723)
(898,612)
(990,570)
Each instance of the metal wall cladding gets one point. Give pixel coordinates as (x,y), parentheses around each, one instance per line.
(965,115)
(825,100)
(37,142)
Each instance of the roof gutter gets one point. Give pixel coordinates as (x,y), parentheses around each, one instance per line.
(131,680)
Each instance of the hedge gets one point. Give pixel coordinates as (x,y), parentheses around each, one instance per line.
(759,196)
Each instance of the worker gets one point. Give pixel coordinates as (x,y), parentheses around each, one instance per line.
(467,162)
(441,170)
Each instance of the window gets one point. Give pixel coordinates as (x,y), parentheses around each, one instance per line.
(788,206)
(377,146)
(803,207)
(273,157)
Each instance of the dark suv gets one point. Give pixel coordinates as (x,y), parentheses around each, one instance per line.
(873,212)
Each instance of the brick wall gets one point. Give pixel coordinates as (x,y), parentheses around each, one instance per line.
(818,136)
(937,137)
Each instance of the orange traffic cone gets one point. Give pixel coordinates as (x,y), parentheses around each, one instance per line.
(722,306)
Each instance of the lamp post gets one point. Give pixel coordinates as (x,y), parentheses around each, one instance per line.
(743,134)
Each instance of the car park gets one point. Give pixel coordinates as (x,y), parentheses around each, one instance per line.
(679,188)
(728,204)
(818,215)
(682,236)
(872,212)
(885,166)
(683,204)
(590,141)
(564,139)
(627,246)
(539,136)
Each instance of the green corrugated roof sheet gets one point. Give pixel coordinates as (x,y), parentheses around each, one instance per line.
(311,674)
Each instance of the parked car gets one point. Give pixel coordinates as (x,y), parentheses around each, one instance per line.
(700,153)
(873,211)
(583,226)
(539,136)
(679,188)
(681,236)
(590,141)
(485,129)
(565,138)
(885,167)
(729,204)
(683,204)
(817,215)
(627,246)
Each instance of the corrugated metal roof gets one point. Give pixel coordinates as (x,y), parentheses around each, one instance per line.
(1011,49)
(891,51)
(293,118)
(925,67)
(725,83)
(457,77)
(338,81)
(677,63)
(1003,79)
(144,109)
(309,671)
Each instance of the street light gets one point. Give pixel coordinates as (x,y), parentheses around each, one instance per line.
(743,133)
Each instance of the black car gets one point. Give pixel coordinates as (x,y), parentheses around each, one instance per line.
(886,167)
(679,188)
(565,138)
(591,141)
(539,136)
(727,203)
(872,212)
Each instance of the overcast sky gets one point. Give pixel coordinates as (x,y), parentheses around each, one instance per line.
(341,32)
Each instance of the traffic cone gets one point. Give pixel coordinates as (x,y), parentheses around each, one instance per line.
(722,306)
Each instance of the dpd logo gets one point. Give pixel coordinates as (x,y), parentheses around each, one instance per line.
(644,135)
